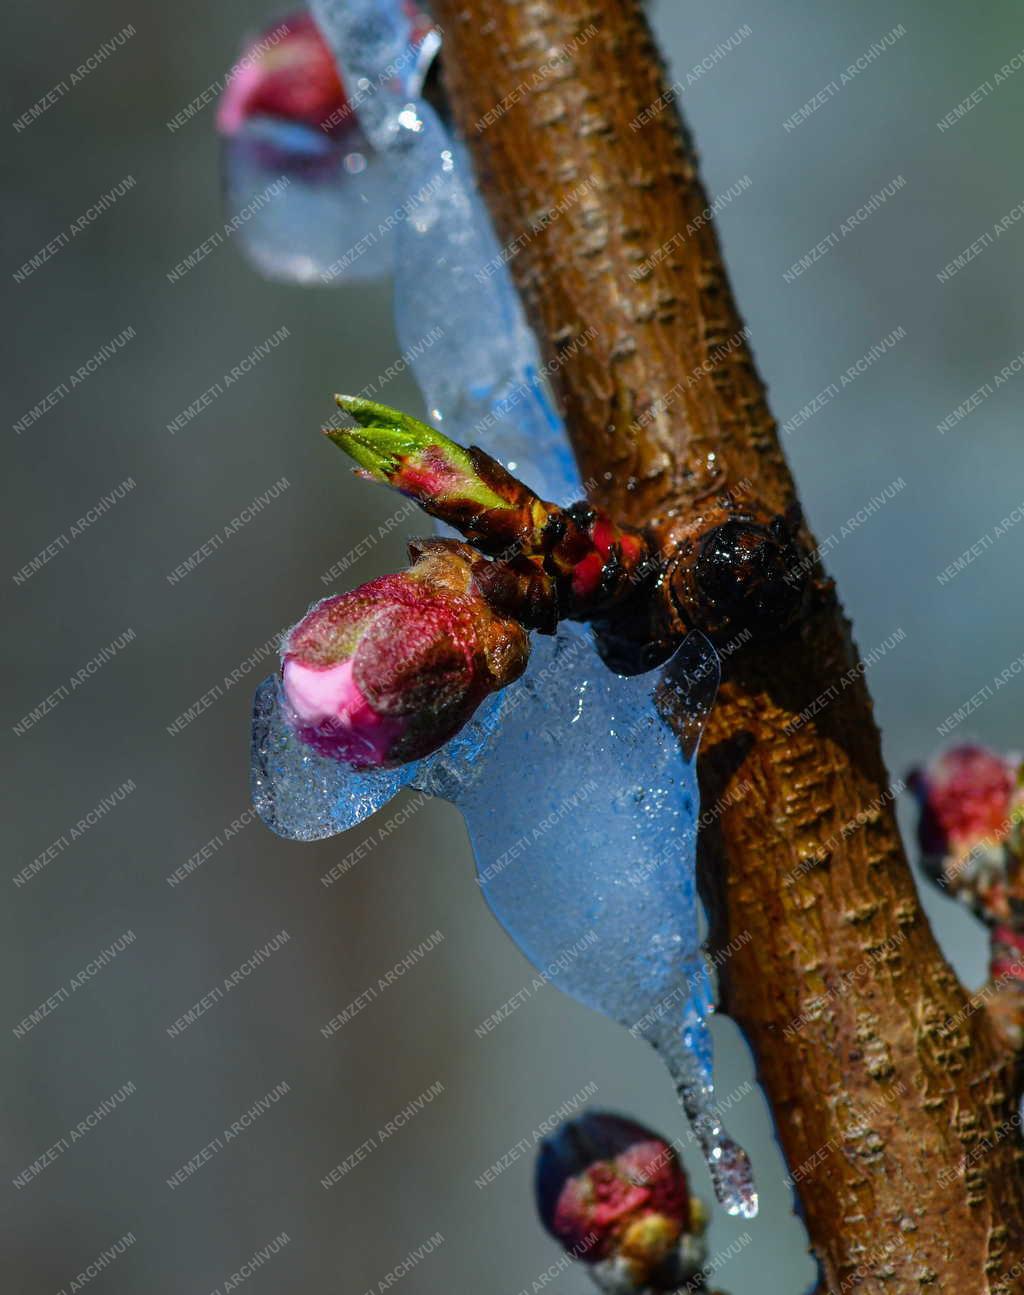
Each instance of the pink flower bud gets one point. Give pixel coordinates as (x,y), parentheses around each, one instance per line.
(287,72)
(965,799)
(1006,962)
(389,672)
(614,1193)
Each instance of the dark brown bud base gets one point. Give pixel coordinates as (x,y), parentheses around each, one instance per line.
(735,572)
(744,572)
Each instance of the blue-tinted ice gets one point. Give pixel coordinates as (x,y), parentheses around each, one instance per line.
(309,205)
(582,812)
(581,803)
(583,822)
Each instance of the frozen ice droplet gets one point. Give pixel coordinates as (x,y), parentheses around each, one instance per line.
(687,1054)
(308,207)
(299,794)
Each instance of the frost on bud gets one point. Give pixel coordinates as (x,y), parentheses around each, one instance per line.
(614,1194)
(389,672)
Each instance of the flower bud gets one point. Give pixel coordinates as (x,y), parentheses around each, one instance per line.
(964,796)
(969,831)
(287,73)
(614,1194)
(1006,955)
(389,672)
(303,183)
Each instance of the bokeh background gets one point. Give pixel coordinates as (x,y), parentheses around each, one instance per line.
(187,788)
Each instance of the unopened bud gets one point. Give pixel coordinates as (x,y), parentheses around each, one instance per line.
(614,1194)
(389,672)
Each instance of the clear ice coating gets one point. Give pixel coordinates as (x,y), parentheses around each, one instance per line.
(583,822)
(299,794)
(580,801)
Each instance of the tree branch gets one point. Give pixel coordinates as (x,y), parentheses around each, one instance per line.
(892,1100)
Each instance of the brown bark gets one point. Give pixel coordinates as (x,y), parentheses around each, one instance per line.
(891,1098)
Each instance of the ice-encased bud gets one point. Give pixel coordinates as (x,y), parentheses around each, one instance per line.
(387,673)
(286,72)
(615,1196)
(306,191)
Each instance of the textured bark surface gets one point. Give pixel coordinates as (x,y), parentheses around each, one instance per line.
(893,1101)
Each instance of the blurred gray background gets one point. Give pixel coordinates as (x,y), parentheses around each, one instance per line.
(188,788)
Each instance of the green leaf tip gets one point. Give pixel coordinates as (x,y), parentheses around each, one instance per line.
(383,435)
(401,451)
